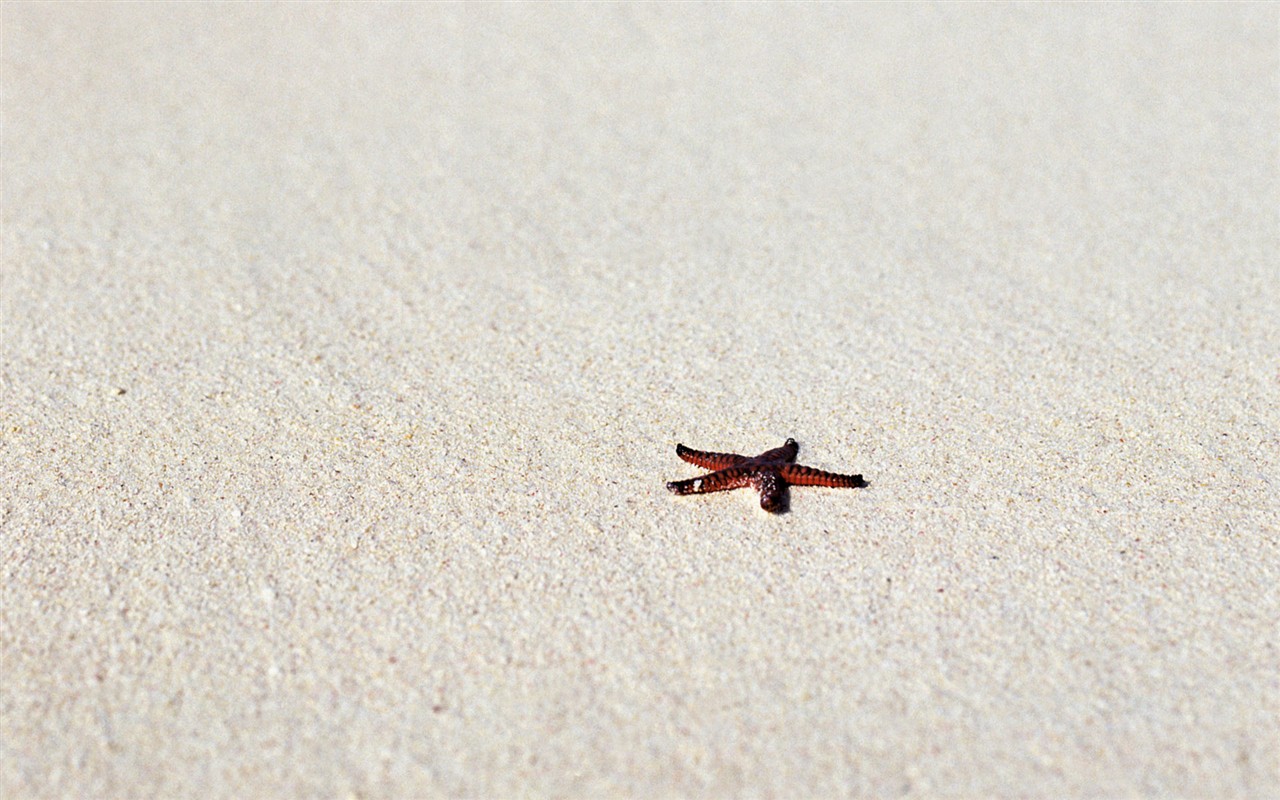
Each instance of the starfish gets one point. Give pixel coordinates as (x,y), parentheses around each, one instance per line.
(768,473)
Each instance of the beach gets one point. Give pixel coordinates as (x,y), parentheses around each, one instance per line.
(346,349)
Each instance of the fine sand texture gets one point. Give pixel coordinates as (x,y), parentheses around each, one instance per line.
(346,349)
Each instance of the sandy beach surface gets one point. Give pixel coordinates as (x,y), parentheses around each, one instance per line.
(346,350)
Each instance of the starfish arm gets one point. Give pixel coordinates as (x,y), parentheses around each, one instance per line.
(723,480)
(808,476)
(772,489)
(709,460)
(785,453)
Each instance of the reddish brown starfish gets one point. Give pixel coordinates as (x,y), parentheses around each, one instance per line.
(768,473)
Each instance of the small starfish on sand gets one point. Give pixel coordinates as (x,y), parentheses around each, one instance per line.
(768,473)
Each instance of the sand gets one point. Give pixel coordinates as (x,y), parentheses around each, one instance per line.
(346,349)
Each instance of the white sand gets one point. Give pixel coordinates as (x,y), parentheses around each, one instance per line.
(345,351)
